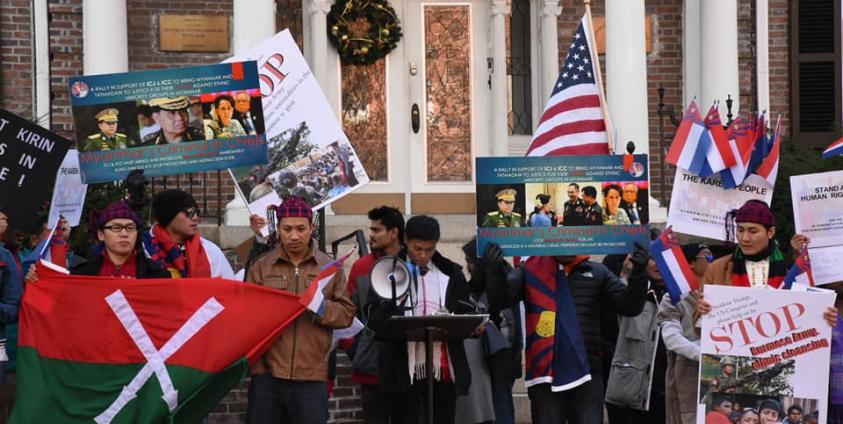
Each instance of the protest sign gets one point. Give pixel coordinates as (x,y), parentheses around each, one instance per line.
(698,205)
(760,345)
(168,121)
(824,264)
(818,207)
(29,158)
(309,154)
(596,205)
(69,192)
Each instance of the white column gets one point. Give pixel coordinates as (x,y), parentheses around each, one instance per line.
(549,42)
(691,51)
(762,53)
(626,73)
(254,21)
(41,62)
(105,40)
(500,131)
(719,52)
(319,40)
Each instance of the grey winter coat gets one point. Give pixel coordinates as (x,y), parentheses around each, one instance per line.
(635,354)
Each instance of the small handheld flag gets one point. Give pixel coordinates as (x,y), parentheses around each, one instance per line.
(800,272)
(691,143)
(678,277)
(313,298)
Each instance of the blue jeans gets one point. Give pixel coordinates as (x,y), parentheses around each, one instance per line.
(581,405)
(277,401)
(502,397)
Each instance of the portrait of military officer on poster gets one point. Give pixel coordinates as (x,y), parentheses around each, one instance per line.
(504,216)
(107,138)
(171,114)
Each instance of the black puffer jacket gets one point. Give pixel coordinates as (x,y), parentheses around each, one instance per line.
(591,285)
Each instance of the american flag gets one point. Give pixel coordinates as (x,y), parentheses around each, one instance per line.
(573,122)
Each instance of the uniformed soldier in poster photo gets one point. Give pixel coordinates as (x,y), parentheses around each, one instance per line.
(107,138)
(171,114)
(504,216)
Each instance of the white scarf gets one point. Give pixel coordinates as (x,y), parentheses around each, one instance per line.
(429,299)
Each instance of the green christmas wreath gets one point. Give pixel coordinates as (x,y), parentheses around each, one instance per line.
(363,31)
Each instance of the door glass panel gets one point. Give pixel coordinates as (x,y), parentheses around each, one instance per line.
(364,115)
(448,92)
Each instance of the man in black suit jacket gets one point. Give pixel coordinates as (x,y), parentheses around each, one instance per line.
(635,208)
(251,122)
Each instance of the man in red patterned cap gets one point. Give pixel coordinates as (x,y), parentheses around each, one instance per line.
(757,260)
(289,382)
(118,254)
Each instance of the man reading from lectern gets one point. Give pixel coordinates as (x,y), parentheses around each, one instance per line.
(438,287)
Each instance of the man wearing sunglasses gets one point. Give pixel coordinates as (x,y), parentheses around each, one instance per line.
(174,241)
(504,216)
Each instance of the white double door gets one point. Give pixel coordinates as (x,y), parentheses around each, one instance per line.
(437,100)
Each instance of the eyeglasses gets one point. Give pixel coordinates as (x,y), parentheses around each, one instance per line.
(191,212)
(708,258)
(509,202)
(117,228)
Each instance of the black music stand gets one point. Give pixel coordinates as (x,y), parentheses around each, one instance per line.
(429,329)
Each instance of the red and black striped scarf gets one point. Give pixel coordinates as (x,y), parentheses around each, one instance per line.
(777,270)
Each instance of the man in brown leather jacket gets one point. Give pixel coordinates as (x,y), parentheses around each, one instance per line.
(289,382)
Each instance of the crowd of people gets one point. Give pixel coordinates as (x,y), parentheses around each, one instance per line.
(621,350)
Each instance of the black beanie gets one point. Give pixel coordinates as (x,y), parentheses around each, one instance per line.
(168,203)
(770,404)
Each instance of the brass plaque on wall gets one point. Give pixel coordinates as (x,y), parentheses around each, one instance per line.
(193,33)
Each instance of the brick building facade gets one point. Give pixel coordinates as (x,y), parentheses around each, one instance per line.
(664,69)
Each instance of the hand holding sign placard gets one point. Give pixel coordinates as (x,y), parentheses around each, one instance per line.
(29,158)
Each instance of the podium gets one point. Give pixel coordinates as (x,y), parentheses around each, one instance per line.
(429,329)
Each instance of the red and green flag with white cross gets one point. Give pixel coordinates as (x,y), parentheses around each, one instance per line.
(139,351)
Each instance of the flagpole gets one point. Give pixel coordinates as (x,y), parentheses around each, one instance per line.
(599,77)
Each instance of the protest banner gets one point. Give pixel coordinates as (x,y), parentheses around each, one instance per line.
(29,158)
(818,207)
(68,193)
(168,121)
(698,205)
(309,154)
(759,345)
(597,205)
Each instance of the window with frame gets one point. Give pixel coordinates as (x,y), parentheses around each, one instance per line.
(518,69)
(815,71)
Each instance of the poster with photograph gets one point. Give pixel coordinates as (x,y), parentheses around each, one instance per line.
(764,349)
(167,121)
(309,154)
(68,192)
(29,158)
(562,205)
(818,207)
(698,205)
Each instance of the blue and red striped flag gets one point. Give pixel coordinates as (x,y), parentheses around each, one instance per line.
(313,298)
(769,166)
(833,149)
(679,278)
(719,154)
(691,142)
(741,145)
(800,272)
